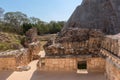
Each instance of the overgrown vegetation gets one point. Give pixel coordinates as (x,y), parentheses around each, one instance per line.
(9,41)
(13,25)
(19,23)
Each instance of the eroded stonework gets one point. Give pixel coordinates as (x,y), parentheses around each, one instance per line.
(75,41)
(31,36)
(10,60)
(92,32)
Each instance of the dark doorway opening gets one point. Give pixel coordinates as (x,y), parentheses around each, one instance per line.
(82,65)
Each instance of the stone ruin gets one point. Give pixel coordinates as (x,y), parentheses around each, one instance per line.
(91,35)
(11,60)
(31,36)
(31,41)
(75,41)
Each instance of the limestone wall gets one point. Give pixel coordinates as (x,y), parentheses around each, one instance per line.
(70,64)
(23,59)
(10,60)
(111,44)
(34,49)
(113,73)
(7,63)
(59,64)
(96,65)
(110,50)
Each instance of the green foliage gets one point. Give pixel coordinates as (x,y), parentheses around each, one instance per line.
(15,20)
(18,22)
(26,27)
(9,41)
(44,28)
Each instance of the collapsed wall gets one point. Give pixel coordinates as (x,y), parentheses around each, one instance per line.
(71,47)
(10,60)
(75,41)
(34,49)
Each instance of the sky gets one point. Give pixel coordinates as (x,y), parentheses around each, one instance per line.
(45,10)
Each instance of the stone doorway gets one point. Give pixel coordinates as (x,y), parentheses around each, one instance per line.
(82,67)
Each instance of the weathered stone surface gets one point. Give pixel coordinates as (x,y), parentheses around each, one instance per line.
(75,41)
(96,14)
(31,36)
(111,44)
(92,30)
(10,60)
(34,49)
(112,72)
(23,68)
(71,64)
(58,64)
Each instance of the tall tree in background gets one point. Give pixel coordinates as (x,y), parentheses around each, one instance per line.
(34,20)
(1,13)
(18,22)
(16,19)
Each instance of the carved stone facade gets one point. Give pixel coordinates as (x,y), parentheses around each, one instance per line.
(110,50)
(113,72)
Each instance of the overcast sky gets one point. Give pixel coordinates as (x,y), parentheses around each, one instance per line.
(46,10)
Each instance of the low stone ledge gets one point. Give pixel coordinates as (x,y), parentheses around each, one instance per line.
(14,53)
(111,57)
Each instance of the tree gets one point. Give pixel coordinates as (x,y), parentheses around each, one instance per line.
(16,20)
(34,20)
(26,27)
(1,13)
(55,27)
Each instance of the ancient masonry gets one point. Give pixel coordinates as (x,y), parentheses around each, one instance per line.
(89,40)
(10,60)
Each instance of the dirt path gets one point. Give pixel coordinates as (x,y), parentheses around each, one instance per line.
(24,75)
